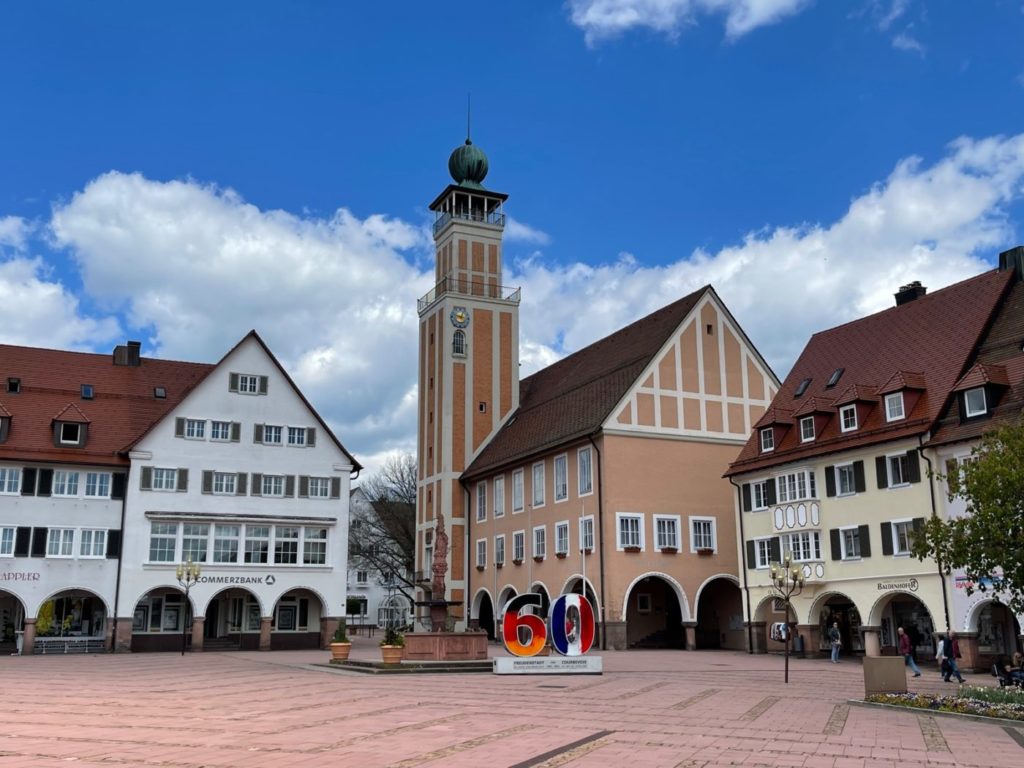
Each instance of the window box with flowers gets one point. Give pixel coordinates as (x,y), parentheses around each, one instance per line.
(560,555)
(631,549)
(670,550)
(538,558)
(480,567)
(517,561)
(705,551)
(499,565)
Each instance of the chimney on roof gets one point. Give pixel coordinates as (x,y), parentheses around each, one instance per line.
(128,354)
(909,292)
(1013,259)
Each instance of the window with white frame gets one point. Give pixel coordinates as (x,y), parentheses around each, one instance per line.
(92,543)
(224,483)
(894,406)
(60,542)
(805,545)
(362,578)
(225,543)
(702,533)
(297,436)
(562,538)
(481,553)
(319,487)
(499,550)
(257,543)
(974,402)
(630,529)
(481,501)
(585,471)
(846,480)
(561,478)
(540,541)
(848,418)
(65,483)
(850,543)
(273,485)
(10,480)
(220,430)
(767,439)
(587,532)
(806,429)
(286,544)
(195,429)
(499,496)
(314,545)
(763,553)
(7,541)
(517,491)
(194,540)
(538,484)
(97,485)
(796,486)
(428,546)
(519,545)
(272,434)
(902,536)
(163,539)
(248,384)
(666,531)
(165,479)
(899,469)
(759,494)
(70,433)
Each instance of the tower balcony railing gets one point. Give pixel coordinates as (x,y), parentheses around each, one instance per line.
(462,287)
(494,218)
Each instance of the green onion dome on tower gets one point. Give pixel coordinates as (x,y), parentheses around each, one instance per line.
(468,165)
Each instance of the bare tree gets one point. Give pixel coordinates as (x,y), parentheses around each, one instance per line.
(382,537)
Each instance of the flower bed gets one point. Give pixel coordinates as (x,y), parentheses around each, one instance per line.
(982,702)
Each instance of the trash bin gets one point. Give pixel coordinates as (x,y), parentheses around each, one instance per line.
(798,645)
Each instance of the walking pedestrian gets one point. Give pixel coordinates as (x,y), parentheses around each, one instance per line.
(950,653)
(836,641)
(908,651)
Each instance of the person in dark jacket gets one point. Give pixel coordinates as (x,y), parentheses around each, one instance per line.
(950,653)
(907,651)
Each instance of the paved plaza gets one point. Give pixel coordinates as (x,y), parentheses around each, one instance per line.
(650,708)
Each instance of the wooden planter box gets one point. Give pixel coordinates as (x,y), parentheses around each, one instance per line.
(517,562)
(480,567)
(670,550)
(499,565)
(705,552)
(560,555)
(631,549)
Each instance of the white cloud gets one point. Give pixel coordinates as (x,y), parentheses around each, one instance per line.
(930,223)
(887,13)
(904,41)
(516,231)
(14,231)
(602,19)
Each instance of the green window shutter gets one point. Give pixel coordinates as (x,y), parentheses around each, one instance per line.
(289,485)
(182,479)
(859,483)
(830,481)
(45,482)
(263,385)
(746,498)
(207,481)
(179,427)
(233,382)
(335,487)
(113,544)
(28,481)
(865,541)
(751,555)
(257,484)
(117,485)
(914,463)
(311,436)
(257,433)
(236,432)
(881,473)
(886,538)
(304,486)
(833,540)
(240,483)
(146,479)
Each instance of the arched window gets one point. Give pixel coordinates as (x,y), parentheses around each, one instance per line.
(459,344)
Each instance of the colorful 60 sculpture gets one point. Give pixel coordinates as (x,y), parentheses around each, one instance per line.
(571,621)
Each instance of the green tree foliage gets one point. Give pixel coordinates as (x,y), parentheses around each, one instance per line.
(987,542)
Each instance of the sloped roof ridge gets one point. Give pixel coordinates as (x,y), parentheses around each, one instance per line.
(75,409)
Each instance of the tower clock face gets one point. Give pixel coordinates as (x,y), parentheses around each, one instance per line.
(460,317)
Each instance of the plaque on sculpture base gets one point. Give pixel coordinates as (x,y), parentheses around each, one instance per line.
(547,665)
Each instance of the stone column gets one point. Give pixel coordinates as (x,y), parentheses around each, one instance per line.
(970,658)
(690,635)
(758,636)
(28,640)
(123,641)
(108,636)
(198,624)
(328,626)
(811,634)
(615,632)
(265,623)
(872,640)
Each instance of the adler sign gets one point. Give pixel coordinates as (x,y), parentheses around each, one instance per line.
(569,628)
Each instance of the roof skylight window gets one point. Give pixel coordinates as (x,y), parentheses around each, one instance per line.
(834,378)
(802,387)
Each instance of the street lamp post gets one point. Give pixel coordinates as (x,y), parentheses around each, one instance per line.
(788,581)
(188,575)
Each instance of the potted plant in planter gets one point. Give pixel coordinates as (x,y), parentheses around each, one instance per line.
(392,646)
(341,646)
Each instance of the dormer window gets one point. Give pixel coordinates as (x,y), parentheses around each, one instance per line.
(848,418)
(767,440)
(802,387)
(894,407)
(834,378)
(70,433)
(806,429)
(13,385)
(975,403)
(87,392)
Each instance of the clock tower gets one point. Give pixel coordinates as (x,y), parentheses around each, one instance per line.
(468,362)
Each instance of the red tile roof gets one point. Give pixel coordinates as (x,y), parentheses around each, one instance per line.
(815,405)
(982,374)
(122,409)
(935,336)
(857,393)
(903,380)
(572,398)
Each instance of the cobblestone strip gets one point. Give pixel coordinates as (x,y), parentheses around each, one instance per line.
(1015,733)
(760,708)
(934,741)
(837,720)
(383,735)
(568,753)
(695,698)
(462,746)
(645,689)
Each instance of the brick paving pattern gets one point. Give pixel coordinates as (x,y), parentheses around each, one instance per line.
(650,708)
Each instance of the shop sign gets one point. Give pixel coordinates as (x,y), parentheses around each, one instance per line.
(236,580)
(910,585)
(19,576)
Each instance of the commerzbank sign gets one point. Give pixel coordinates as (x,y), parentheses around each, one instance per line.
(269,579)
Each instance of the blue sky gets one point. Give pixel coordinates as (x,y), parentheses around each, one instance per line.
(184,172)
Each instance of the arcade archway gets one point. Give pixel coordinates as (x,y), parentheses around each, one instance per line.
(233,618)
(720,615)
(902,609)
(161,620)
(483,613)
(837,608)
(12,622)
(654,614)
(73,620)
(296,621)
